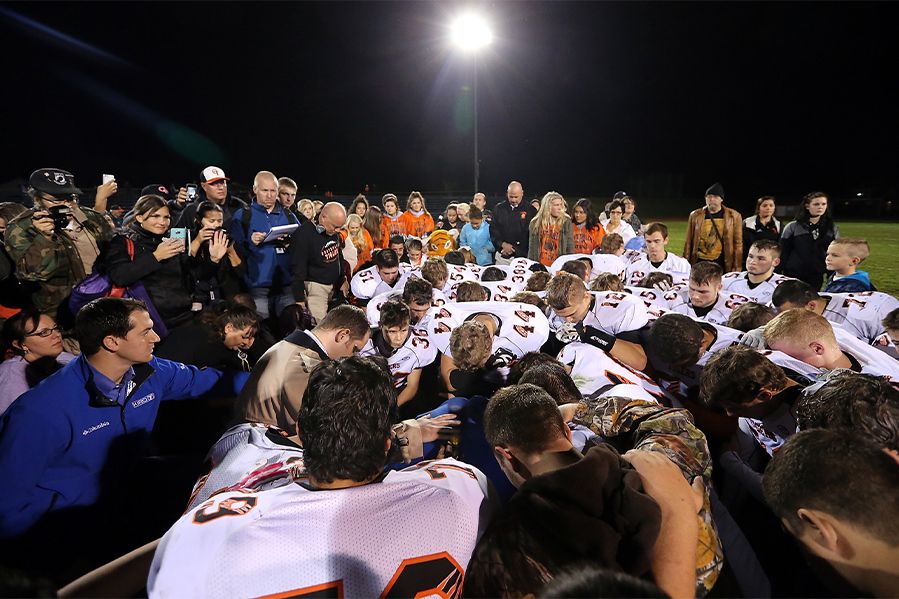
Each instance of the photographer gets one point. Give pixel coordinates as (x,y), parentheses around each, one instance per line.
(214,261)
(57,243)
(159,262)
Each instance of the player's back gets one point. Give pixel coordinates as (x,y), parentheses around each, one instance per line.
(861,313)
(411,534)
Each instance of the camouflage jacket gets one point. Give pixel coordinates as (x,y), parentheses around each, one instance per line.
(53,262)
(629,423)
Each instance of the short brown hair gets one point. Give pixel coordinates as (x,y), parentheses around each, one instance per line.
(435,271)
(394,313)
(706,272)
(471,291)
(529,297)
(538,281)
(475,213)
(767,245)
(523,416)
(656,228)
(564,289)
(346,317)
(607,281)
(737,374)
(856,246)
(799,325)
(470,344)
(611,243)
(750,315)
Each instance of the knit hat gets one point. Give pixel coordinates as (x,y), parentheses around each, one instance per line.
(715,190)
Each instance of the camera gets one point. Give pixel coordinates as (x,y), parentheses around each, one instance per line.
(60,216)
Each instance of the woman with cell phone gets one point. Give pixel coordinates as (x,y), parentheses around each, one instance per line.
(151,252)
(214,278)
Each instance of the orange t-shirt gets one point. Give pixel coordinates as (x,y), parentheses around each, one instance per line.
(417,226)
(550,239)
(586,240)
(390,227)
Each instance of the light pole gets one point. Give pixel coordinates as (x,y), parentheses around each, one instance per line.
(470,33)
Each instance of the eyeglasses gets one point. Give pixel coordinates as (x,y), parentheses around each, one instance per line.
(44,332)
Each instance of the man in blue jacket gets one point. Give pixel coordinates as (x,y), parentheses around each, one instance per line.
(268,272)
(69,446)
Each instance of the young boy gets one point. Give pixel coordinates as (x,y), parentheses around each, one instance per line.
(476,235)
(843,257)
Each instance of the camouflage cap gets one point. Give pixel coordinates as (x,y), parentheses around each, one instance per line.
(54,181)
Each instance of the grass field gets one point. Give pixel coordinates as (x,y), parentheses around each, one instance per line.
(882,265)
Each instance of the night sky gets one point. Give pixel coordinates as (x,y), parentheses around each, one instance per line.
(584,98)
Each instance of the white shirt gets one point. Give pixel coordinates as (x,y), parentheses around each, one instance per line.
(417,352)
(367,283)
(612,312)
(593,370)
(373,309)
(625,230)
(738,282)
(861,313)
(358,542)
(522,327)
(677,267)
(679,301)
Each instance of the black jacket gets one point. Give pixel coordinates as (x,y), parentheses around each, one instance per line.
(512,226)
(316,257)
(168,282)
(802,254)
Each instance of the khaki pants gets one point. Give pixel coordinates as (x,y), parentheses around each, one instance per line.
(317,297)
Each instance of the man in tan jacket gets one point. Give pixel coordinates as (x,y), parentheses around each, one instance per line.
(715,233)
(275,390)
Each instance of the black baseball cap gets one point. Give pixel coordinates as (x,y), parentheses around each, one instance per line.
(54,181)
(157,189)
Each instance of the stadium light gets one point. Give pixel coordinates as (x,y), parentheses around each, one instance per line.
(470,33)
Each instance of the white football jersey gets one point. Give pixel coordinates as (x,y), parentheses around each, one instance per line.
(249,456)
(612,312)
(592,369)
(498,291)
(861,313)
(653,298)
(515,275)
(526,263)
(410,534)
(601,263)
(416,352)
(679,301)
(522,327)
(872,360)
(677,267)
(367,283)
(738,282)
(373,309)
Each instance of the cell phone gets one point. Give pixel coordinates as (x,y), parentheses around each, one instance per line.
(108,178)
(182,234)
(191,192)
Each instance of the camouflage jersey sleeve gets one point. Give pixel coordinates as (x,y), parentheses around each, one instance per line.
(37,257)
(648,426)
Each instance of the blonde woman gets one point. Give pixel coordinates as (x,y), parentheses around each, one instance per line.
(550,231)
(359,237)
(306,209)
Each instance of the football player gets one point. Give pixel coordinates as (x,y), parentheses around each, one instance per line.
(406,348)
(414,293)
(656,258)
(758,281)
(597,318)
(703,298)
(860,313)
(515,329)
(312,536)
(811,338)
(377,279)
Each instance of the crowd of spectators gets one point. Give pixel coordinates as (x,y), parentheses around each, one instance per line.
(206,396)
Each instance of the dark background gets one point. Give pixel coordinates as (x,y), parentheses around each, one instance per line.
(660,99)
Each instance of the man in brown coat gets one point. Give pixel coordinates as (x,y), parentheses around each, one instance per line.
(715,233)
(275,390)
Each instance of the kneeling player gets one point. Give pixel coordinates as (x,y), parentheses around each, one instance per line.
(809,337)
(657,258)
(598,318)
(758,281)
(407,349)
(703,298)
(380,278)
(312,536)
